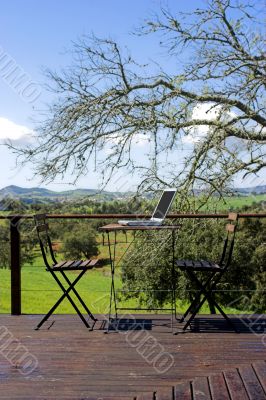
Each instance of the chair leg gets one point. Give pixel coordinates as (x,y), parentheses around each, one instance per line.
(208,295)
(190,308)
(197,308)
(80,299)
(192,305)
(65,294)
(196,300)
(224,315)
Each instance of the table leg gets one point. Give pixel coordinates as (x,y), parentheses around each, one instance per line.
(112,290)
(173,282)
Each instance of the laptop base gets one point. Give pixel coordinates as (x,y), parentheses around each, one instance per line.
(139,223)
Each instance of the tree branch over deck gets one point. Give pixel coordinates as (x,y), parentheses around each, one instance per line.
(215,104)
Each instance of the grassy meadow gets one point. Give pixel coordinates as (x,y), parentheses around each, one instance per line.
(40,291)
(236,202)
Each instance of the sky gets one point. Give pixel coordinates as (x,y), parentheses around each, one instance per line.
(35,35)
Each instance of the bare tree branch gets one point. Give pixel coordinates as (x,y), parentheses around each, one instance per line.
(106,100)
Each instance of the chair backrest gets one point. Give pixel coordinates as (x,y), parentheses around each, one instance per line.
(229,240)
(42,229)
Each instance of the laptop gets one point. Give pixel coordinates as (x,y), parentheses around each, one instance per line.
(159,213)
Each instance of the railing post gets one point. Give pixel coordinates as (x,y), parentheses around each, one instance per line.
(15,266)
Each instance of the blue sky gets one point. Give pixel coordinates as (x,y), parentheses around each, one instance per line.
(35,35)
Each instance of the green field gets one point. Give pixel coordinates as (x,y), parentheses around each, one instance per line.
(40,291)
(229,203)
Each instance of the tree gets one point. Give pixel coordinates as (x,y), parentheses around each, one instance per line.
(149,262)
(5,247)
(215,100)
(80,243)
(28,243)
(13,204)
(258,300)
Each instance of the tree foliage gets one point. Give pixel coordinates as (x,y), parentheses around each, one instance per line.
(107,101)
(80,244)
(4,247)
(149,264)
(28,242)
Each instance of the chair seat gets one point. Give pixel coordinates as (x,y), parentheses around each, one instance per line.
(76,265)
(199,265)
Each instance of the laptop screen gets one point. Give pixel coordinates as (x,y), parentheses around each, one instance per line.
(164,204)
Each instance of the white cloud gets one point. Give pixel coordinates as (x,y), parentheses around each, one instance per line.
(141,140)
(204,111)
(207,111)
(14,132)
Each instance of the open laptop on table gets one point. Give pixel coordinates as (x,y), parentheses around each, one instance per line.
(159,213)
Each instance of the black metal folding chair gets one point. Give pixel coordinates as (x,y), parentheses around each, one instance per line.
(212,273)
(62,267)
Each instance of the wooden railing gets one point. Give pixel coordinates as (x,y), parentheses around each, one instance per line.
(15,240)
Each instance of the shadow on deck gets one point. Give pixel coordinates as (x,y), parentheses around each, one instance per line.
(66,361)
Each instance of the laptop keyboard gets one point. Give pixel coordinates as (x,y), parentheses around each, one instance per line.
(139,223)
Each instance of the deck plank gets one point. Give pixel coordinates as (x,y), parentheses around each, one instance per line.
(201,390)
(145,396)
(74,363)
(218,387)
(251,382)
(260,370)
(182,391)
(165,394)
(235,385)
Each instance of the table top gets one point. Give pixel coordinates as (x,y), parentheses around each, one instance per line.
(118,227)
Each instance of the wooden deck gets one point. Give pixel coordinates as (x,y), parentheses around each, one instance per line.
(66,361)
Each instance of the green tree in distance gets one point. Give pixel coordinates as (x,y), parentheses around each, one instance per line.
(28,243)
(149,262)
(80,244)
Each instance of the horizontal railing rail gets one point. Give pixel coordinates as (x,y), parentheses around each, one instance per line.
(132,216)
(15,240)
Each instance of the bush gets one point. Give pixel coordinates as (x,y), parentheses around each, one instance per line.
(80,243)
(148,263)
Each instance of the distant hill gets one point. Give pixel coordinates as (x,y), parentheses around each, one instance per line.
(42,195)
(30,195)
(255,189)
